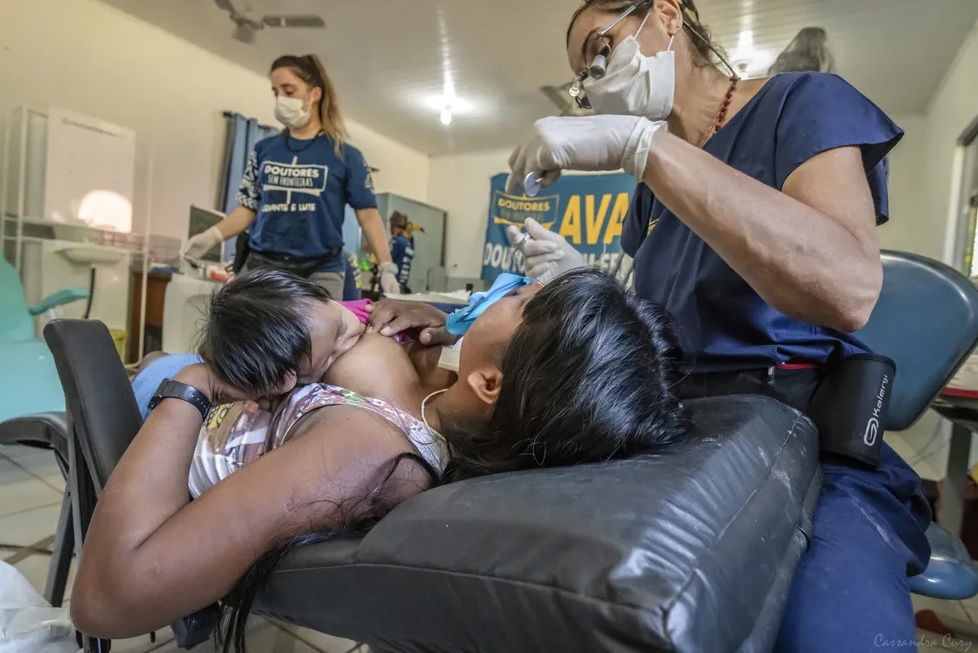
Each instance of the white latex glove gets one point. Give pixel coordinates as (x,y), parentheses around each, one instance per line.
(547,254)
(603,143)
(203,242)
(389,284)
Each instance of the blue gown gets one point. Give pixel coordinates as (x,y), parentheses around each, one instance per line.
(850,592)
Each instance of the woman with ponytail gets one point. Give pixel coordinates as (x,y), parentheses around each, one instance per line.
(297,184)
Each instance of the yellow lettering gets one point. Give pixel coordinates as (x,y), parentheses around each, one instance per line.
(570,226)
(595,222)
(617,218)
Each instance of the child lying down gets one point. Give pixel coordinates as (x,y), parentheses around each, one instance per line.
(269,340)
(245,357)
(267,333)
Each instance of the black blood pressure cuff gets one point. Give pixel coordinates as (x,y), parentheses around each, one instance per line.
(850,405)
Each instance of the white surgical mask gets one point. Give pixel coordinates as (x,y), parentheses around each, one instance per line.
(290,112)
(634,84)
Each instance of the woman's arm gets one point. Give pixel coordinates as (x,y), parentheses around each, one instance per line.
(810,251)
(151,556)
(236,222)
(391,316)
(373,228)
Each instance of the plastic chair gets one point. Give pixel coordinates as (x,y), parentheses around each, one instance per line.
(926,320)
(28,379)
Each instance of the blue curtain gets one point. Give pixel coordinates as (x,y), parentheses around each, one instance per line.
(242,134)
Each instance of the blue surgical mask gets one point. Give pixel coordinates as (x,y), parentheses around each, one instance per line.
(459,322)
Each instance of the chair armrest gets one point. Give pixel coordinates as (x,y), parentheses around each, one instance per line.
(60,298)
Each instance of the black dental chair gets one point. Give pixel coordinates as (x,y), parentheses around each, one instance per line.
(690,550)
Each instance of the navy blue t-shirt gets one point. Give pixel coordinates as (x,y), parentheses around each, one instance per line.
(402,252)
(722,320)
(299,190)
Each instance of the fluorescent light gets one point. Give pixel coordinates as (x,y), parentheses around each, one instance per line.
(453,103)
(748,60)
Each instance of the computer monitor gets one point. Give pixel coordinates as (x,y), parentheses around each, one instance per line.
(200,221)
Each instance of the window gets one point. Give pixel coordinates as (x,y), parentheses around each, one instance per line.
(968,207)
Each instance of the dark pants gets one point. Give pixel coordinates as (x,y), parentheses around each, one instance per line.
(850,591)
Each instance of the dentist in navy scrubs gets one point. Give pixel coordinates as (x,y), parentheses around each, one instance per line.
(297,184)
(754,223)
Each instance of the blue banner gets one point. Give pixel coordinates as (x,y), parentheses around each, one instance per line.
(587,210)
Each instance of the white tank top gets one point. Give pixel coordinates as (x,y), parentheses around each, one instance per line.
(234,435)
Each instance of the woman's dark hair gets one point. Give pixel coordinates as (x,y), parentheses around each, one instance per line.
(257,328)
(700,35)
(587,377)
(310,69)
(807,52)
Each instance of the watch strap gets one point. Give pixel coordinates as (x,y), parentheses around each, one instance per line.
(170,389)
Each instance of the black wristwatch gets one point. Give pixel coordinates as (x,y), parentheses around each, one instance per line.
(171,389)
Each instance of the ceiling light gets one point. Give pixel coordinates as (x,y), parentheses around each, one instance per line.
(446,116)
(453,103)
(746,59)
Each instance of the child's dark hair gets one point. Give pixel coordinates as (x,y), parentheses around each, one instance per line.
(595,366)
(587,377)
(257,328)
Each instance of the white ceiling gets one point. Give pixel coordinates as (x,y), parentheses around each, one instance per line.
(390,58)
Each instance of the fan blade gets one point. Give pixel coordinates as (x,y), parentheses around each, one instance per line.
(309,20)
(244,34)
(225,5)
(558,95)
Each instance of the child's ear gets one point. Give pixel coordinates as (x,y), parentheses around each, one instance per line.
(486,384)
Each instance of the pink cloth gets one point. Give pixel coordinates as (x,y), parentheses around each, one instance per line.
(359,308)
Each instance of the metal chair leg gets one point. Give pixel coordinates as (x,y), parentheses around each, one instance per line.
(64,549)
(82,490)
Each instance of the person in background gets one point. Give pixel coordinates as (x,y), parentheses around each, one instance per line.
(351,285)
(402,248)
(807,52)
(297,184)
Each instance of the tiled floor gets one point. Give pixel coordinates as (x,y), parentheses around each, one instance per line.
(31,490)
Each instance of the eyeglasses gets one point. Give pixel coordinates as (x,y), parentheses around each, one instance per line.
(599,64)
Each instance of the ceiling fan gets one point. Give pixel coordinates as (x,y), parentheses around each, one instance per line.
(561,98)
(247,23)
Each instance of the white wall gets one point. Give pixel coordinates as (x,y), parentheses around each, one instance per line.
(459,184)
(952,109)
(92,58)
(908,226)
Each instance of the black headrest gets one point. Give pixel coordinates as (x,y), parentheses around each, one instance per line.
(98,396)
(926,320)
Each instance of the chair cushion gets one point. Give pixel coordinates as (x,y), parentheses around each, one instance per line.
(690,550)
